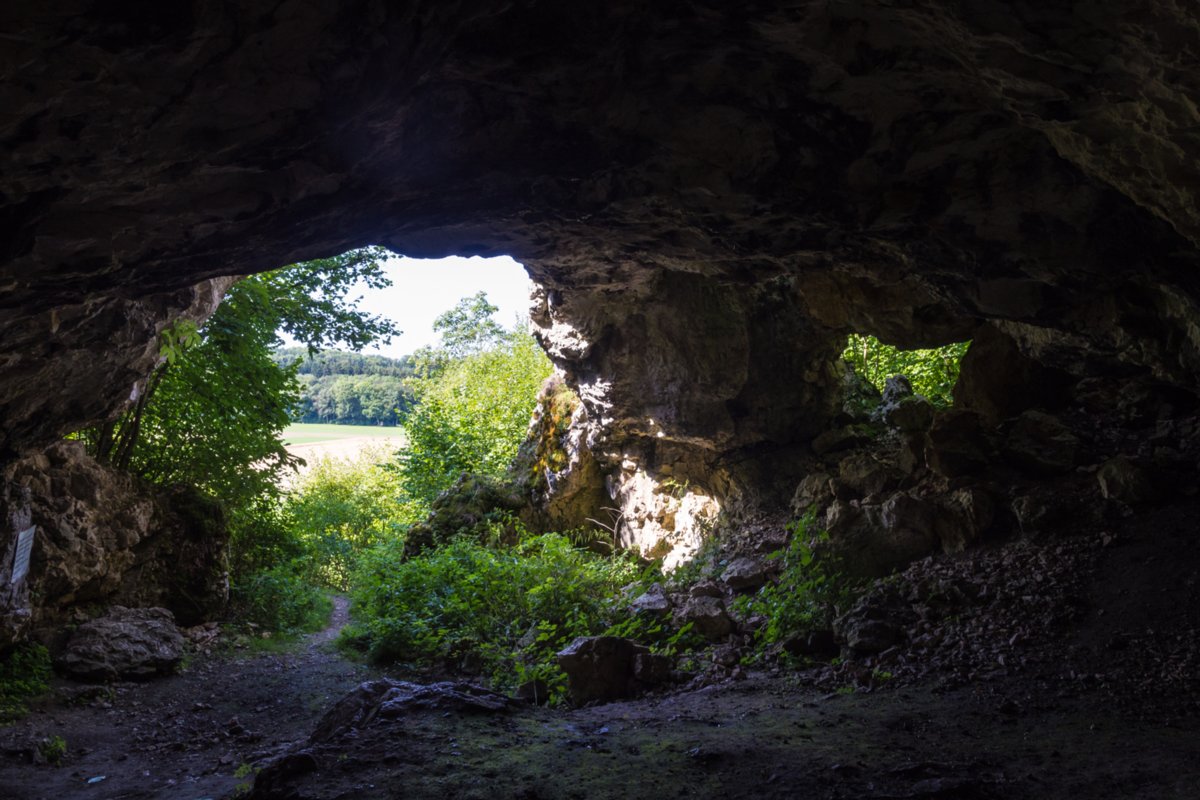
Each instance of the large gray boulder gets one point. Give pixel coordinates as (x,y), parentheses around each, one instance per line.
(604,668)
(126,643)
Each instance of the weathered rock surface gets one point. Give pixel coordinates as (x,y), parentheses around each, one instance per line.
(1041,443)
(653,601)
(710,201)
(605,668)
(126,643)
(707,616)
(104,538)
(1122,479)
(387,698)
(959,444)
(746,572)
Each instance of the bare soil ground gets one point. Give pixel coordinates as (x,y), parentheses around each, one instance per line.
(1097,697)
(191,735)
(346,449)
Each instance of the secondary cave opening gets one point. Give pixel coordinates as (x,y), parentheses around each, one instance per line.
(932,372)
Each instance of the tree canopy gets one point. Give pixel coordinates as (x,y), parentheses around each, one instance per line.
(213,410)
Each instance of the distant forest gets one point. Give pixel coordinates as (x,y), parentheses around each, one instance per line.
(350,388)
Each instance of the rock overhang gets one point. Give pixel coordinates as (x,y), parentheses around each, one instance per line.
(710,199)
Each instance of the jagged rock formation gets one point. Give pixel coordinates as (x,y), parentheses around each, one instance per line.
(103,538)
(711,196)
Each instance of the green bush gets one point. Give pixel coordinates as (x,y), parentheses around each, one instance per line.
(809,592)
(281,601)
(340,508)
(932,373)
(472,417)
(497,611)
(24,674)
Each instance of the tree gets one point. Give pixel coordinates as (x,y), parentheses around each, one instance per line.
(932,373)
(472,416)
(214,408)
(468,327)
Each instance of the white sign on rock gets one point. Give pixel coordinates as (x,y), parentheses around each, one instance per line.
(21,557)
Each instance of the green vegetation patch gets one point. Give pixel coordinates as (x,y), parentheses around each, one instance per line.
(808,594)
(932,373)
(280,601)
(24,675)
(498,611)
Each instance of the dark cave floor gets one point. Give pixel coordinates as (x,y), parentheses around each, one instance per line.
(1100,702)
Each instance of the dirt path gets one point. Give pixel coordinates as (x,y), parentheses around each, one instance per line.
(190,736)
(1103,703)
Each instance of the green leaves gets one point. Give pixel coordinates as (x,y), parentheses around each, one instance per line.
(178,338)
(468,327)
(501,611)
(213,412)
(808,593)
(472,416)
(931,372)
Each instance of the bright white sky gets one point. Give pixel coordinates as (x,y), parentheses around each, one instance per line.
(422,289)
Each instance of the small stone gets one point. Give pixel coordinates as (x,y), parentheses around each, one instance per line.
(653,602)
(708,617)
(912,414)
(745,573)
(1121,479)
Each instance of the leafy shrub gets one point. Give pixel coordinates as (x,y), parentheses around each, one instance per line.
(498,611)
(53,749)
(340,508)
(472,417)
(808,593)
(24,674)
(932,373)
(279,600)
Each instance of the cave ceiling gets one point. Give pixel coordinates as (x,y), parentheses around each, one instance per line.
(799,170)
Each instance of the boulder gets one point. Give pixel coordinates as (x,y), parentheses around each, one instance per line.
(869,636)
(998,381)
(895,389)
(870,626)
(874,539)
(812,644)
(1121,479)
(745,573)
(708,617)
(839,440)
(126,643)
(813,491)
(968,513)
(605,668)
(105,539)
(912,414)
(1041,443)
(387,698)
(958,444)
(859,396)
(706,588)
(653,601)
(866,474)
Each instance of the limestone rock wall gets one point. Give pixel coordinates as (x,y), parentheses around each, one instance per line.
(102,538)
(710,195)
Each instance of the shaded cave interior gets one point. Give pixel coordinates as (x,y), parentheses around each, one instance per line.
(710,204)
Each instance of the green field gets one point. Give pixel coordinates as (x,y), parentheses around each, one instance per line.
(305,433)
